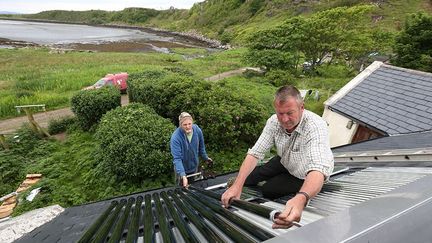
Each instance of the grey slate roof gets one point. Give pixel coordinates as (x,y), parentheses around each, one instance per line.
(404,141)
(391,99)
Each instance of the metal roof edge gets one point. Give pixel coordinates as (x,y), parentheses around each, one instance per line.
(363,219)
(390,155)
(353,83)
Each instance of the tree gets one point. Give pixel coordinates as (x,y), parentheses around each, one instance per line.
(413,45)
(276,48)
(335,33)
(331,34)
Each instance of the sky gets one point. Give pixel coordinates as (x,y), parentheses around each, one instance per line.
(35,6)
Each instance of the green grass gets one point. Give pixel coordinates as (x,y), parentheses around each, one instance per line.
(34,76)
(215,63)
(71,175)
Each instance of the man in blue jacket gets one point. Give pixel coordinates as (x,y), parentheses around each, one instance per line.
(187,142)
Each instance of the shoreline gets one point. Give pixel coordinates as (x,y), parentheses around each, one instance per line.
(188,36)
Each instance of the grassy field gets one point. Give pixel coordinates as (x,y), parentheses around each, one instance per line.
(36,76)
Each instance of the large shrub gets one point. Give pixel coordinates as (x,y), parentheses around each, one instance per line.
(90,105)
(228,117)
(134,143)
(142,81)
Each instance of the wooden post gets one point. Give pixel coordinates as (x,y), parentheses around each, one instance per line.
(31,120)
(33,124)
(3,142)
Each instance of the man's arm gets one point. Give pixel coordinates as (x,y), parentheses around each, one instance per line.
(263,145)
(235,190)
(294,207)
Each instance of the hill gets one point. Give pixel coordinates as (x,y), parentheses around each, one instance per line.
(231,21)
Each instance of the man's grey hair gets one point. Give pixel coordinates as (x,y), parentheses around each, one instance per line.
(286,92)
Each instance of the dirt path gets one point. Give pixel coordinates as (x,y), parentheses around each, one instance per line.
(42,118)
(9,126)
(231,73)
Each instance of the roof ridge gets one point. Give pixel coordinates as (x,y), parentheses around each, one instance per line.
(408,133)
(408,70)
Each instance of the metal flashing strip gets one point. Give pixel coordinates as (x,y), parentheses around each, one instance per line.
(393,156)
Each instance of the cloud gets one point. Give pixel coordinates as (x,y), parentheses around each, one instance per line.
(35,6)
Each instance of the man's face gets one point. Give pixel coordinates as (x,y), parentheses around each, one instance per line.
(186,125)
(289,113)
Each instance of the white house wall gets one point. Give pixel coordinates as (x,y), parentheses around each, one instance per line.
(338,131)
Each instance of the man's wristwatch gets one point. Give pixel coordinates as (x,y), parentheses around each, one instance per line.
(306,195)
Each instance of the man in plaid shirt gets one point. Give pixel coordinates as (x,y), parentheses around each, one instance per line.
(303,162)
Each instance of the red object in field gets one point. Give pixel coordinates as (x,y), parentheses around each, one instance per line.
(118,80)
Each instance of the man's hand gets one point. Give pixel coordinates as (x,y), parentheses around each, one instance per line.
(292,212)
(185,181)
(235,190)
(230,193)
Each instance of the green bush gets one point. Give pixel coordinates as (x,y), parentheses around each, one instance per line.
(134,143)
(11,171)
(90,105)
(179,70)
(24,141)
(227,117)
(60,125)
(25,148)
(335,71)
(278,77)
(142,81)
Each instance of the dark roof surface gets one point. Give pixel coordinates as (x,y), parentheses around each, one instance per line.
(404,141)
(351,205)
(391,99)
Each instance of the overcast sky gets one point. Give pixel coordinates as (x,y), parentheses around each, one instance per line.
(35,6)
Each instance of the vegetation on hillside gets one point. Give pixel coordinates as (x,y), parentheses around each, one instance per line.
(413,45)
(232,21)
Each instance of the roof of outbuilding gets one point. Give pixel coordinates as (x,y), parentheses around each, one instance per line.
(390,99)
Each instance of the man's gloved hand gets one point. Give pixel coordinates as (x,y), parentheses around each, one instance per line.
(209,162)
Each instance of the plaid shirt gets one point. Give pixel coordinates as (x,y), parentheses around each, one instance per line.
(307,148)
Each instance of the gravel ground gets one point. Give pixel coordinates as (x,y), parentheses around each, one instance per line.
(9,126)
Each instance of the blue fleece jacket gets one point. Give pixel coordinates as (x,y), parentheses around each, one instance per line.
(185,153)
